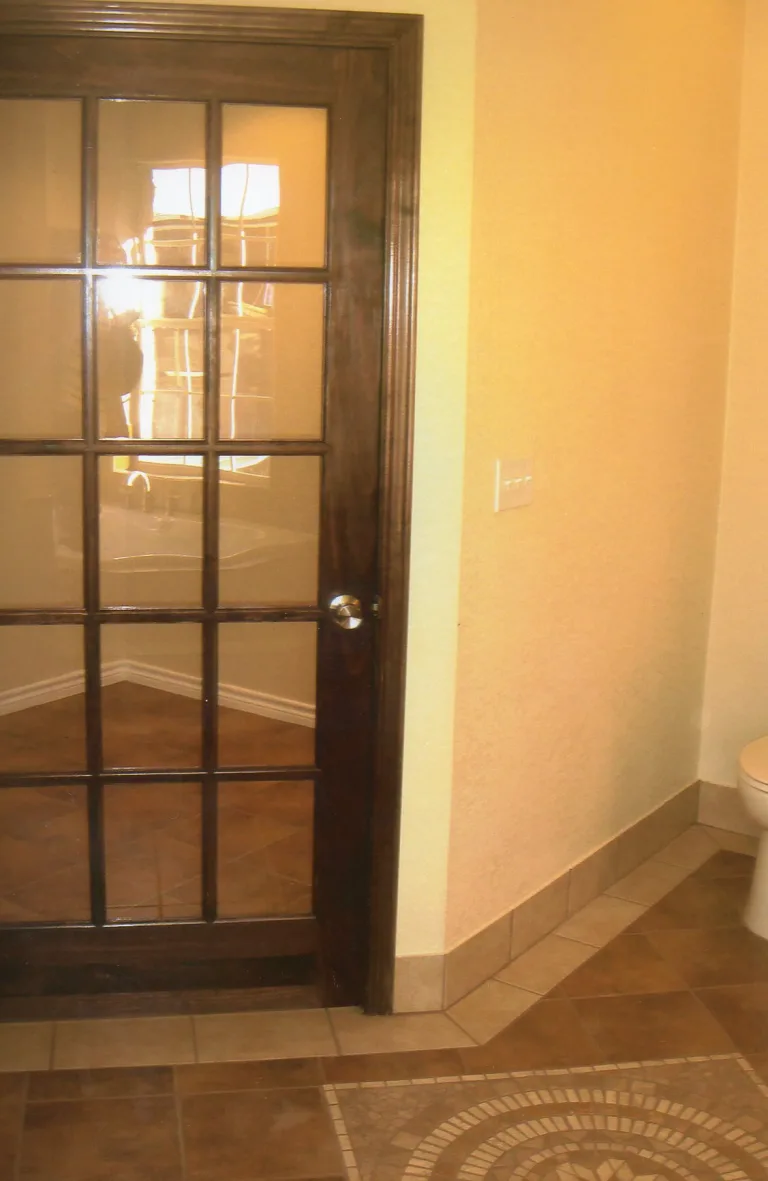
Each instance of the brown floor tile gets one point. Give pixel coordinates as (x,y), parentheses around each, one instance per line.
(742,1010)
(659,1025)
(365,1068)
(710,958)
(128,1082)
(698,902)
(726,864)
(101,1140)
(627,965)
(548,1035)
(246,1136)
(248,1076)
(12,1088)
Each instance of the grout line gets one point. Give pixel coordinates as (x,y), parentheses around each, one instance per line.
(466,1032)
(178,1106)
(334,1034)
(754,1077)
(336,1115)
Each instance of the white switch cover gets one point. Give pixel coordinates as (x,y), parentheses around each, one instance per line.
(514,484)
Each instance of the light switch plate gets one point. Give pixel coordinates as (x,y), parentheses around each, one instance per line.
(514,484)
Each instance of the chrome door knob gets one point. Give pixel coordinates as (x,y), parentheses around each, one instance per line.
(347,611)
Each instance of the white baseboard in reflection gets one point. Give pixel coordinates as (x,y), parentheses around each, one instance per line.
(266,705)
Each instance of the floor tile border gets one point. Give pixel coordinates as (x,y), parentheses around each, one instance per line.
(430,983)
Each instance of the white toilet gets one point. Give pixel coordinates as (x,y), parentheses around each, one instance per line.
(753,785)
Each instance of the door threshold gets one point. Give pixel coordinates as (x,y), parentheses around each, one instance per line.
(190,1002)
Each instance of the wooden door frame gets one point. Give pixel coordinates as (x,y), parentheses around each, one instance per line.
(400,37)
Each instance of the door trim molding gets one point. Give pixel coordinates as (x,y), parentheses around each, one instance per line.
(400,36)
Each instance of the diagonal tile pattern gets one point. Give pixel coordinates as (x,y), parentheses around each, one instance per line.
(680,992)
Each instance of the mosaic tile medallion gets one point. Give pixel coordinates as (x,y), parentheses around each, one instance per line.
(703,1119)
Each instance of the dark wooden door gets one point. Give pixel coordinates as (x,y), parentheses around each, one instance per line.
(191,294)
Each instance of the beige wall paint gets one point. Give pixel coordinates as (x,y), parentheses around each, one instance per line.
(736,699)
(605,166)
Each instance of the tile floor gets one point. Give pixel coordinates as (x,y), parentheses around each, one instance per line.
(667,983)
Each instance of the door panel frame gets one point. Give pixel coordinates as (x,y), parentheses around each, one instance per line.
(400,37)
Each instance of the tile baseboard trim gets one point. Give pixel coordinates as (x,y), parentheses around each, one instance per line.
(436,982)
(720,806)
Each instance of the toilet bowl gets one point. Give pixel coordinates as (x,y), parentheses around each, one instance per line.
(753,786)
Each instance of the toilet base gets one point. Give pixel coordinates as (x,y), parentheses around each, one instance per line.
(756,914)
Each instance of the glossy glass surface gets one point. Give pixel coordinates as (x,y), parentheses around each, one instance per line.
(271,381)
(265,849)
(44,876)
(41,381)
(267,675)
(269,530)
(41,531)
(150,531)
(273,186)
(149,352)
(40,204)
(151,185)
(153,836)
(151,691)
(42,701)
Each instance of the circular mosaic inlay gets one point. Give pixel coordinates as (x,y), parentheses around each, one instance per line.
(589,1135)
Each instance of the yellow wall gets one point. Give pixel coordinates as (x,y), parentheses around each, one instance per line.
(605,164)
(736,700)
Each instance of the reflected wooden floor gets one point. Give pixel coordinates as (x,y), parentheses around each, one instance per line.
(152,831)
(144,727)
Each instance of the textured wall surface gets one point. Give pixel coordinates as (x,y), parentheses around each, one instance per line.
(736,701)
(605,175)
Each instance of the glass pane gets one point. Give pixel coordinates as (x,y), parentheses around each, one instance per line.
(153,838)
(267,674)
(40,206)
(151,531)
(149,352)
(265,849)
(41,531)
(42,700)
(151,691)
(151,188)
(41,371)
(271,384)
(269,531)
(273,186)
(44,874)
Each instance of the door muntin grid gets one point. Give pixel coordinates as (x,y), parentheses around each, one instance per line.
(107,283)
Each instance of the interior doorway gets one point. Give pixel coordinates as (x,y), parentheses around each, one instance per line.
(206,316)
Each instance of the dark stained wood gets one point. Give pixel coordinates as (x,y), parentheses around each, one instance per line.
(395,501)
(350,519)
(246,998)
(372,91)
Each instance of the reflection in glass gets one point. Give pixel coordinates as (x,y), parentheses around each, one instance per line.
(42,700)
(271,381)
(151,186)
(150,531)
(151,691)
(269,530)
(40,358)
(265,849)
(149,352)
(273,186)
(44,873)
(41,531)
(40,208)
(153,838)
(267,674)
